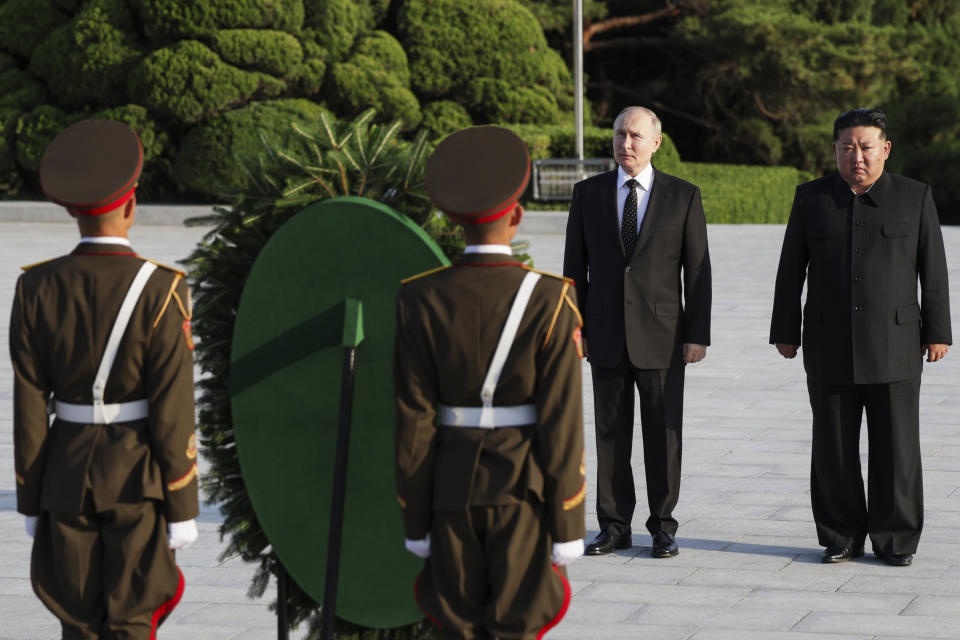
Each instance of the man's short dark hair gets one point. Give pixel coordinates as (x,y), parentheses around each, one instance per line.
(860,117)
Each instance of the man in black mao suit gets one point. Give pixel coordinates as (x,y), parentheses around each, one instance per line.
(862,238)
(633,236)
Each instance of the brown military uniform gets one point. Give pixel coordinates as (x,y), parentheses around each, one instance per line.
(492,500)
(104,492)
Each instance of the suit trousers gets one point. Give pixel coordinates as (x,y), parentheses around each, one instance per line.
(661,419)
(490,575)
(106,574)
(892,512)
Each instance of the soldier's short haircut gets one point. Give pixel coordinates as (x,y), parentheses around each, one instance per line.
(860,117)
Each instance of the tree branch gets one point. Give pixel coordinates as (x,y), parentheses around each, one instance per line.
(671,10)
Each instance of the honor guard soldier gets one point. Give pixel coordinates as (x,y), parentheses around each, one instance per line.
(489,417)
(100,339)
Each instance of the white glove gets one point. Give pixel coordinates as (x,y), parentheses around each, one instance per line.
(181,534)
(419,548)
(30,524)
(566,552)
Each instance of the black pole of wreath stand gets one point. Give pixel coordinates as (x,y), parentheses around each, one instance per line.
(283,582)
(352,336)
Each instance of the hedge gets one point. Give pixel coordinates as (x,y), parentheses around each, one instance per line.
(742,194)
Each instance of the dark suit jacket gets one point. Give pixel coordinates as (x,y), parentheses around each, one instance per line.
(861,257)
(636,301)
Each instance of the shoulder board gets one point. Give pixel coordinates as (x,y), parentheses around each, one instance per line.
(551,275)
(167,267)
(425,273)
(37,264)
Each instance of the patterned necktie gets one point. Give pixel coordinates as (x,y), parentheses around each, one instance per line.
(628,229)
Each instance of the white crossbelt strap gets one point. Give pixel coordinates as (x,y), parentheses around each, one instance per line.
(488,416)
(98,412)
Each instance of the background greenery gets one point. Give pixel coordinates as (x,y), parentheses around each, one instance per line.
(740,82)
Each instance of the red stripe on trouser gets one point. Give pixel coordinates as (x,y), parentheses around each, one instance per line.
(563,607)
(167,607)
(416,596)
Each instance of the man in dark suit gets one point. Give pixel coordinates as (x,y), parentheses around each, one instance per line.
(861,238)
(633,236)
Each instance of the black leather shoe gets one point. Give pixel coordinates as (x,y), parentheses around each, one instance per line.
(664,546)
(604,543)
(895,559)
(833,555)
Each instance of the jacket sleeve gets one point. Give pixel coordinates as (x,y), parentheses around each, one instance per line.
(170,393)
(31,389)
(787,318)
(559,436)
(575,260)
(697,276)
(932,267)
(415,397)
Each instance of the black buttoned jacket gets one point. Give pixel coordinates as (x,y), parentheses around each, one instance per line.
(862,258)
(637,302)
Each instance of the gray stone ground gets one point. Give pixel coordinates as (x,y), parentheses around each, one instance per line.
(749,565)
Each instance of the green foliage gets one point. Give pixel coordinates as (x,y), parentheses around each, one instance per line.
(165,21)
(375,75)
(189,82)
(35,130)
(329,159)
(443,117)
(496,100)
(738,194)
(26,23)
(274,52)
(87,60)
(21,91)
(7,62)
(210,155)
(10,181)
(335,24)
(450,44)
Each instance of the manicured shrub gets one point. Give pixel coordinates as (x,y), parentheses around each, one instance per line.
(335,24)
(451,43)
(165,21)
(274,52)
(21,91)
(744,193)
(495,100)
(443,117)
(86,61)
(7,62)
(375,75)
(208,158)
(8,124)
(35,130)
(189,82)
(26,23)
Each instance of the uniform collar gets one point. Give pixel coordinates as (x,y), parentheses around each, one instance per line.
(488,260)
(876,194)
(488,248)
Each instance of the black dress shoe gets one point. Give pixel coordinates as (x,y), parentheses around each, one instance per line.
(895,559)
(840,554)
(664,546)
(604,543)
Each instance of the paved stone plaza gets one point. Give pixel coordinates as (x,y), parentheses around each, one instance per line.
(749,565)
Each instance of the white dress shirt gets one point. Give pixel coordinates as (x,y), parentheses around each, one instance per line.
(105,240)
(645,180)
(488,248)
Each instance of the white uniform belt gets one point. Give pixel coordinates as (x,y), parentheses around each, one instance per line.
(487,417)
(87,413)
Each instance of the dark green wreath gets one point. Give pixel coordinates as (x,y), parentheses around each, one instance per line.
(355,158)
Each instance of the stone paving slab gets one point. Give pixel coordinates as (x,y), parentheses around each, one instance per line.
(749,565)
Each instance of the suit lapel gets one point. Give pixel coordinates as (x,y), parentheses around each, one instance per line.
(657,195)
(609,216)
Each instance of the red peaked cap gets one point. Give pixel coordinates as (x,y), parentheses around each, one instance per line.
(92,166)
(478,174)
